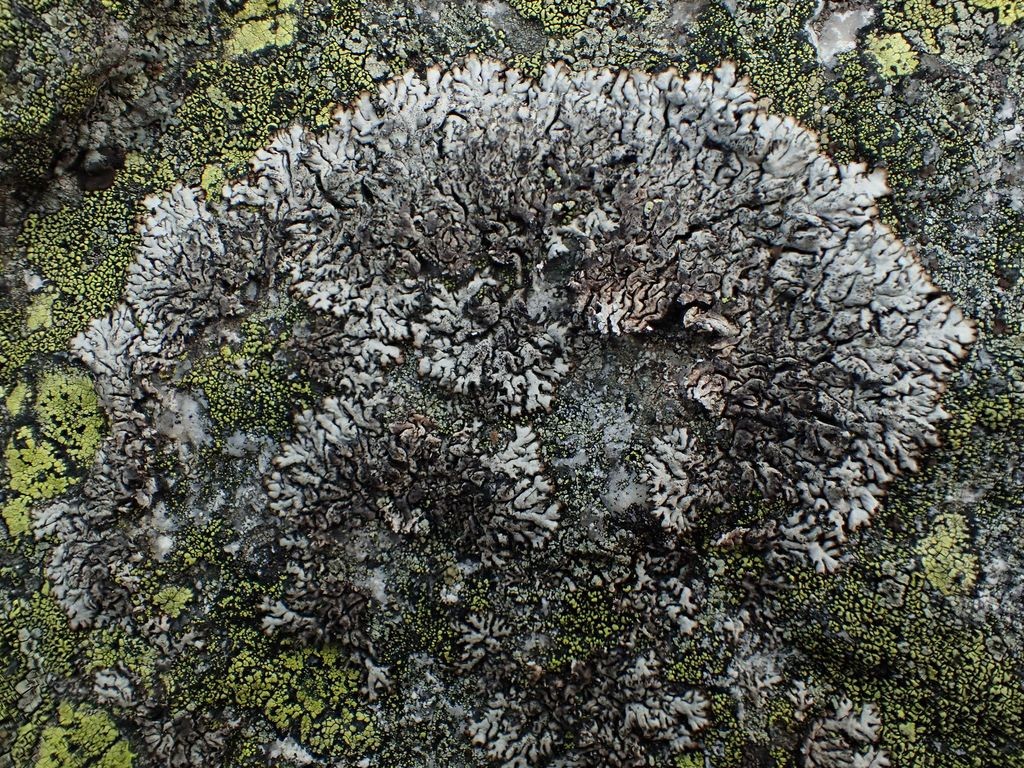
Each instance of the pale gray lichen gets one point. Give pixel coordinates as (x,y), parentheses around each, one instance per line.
(827,344)
(491,242)
(845,739)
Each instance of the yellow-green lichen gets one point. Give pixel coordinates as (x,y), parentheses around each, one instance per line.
(764,38)
(245,388)
(40,311)
(121,9)
(172,600)
(262,24)
(16,398)
(82,738)
(34,468)
(15,515)
(948,562)
(689,760)
(313,694)
(560,18)
(212,181)
(145,173)
(42,619)
(587,623)
(894,55)
(44,459)
(1007,11)
(235,104)
(978,410)
(83,253)
(26,124)
(67,412)
(919,20)
(873,636)
(113,647)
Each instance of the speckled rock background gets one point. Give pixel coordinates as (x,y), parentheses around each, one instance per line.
(909,653)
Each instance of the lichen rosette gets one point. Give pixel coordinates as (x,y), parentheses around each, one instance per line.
(475,250)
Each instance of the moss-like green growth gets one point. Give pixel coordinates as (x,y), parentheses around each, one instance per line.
(894,55)
(246,388)
(560,18)
(82,738)
(312,694)
(948,563)
(68,413)
(587,623)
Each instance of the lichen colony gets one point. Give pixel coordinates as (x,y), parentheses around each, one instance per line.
(552,412)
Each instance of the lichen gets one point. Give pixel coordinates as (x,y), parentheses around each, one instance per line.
(245,388)
(68,413)
(82,737)
(34,468)
(1007,11)
(425,279)
(259,24)
(557,17)
(894,54)
(948,564)
(499,535)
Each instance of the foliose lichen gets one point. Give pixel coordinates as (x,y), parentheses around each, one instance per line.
(138,611)
(483,241)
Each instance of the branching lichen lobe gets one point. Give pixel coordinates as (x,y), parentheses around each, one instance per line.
(476,249)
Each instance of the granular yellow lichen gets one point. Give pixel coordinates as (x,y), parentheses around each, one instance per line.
(68,413)
(35,469)
(212,180)
(83,737)
(171,600)
(1007,11)
(15,515)
(894,55)
(16,398)
(948,563)
(39,314)
(262,33)
(264,23)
